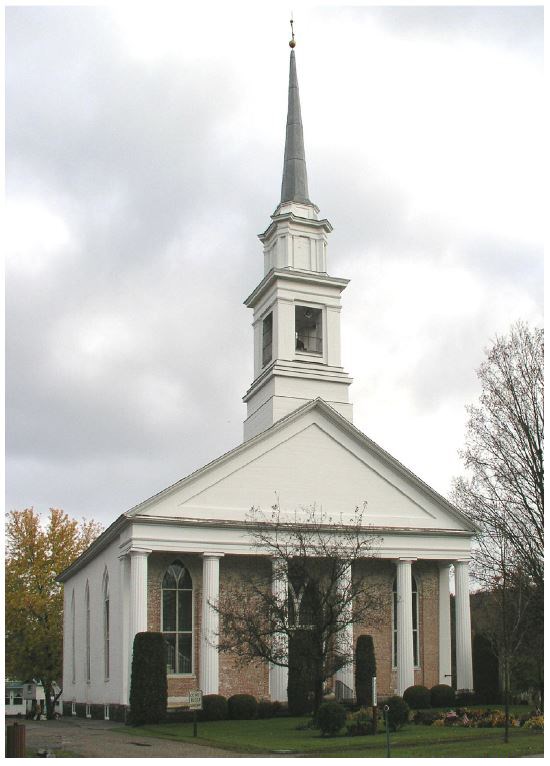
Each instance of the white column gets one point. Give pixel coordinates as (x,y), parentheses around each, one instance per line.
(123,616)
(405,653)
(278,675)
(345,636)
(444,625)
(464,673)
(138,592)
(209,661)
(137,619)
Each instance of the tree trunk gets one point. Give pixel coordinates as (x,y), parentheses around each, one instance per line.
(50,704)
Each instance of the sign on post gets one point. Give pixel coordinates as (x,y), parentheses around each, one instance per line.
(195,703)
(195,699)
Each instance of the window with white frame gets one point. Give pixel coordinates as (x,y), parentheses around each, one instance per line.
(106,625)
(177,619)
(309,330)
(416,652)
(88,655)
(267,339)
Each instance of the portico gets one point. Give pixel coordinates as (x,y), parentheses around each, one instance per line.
(205,566)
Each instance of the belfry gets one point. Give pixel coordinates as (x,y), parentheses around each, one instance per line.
(297,304)
(163,565)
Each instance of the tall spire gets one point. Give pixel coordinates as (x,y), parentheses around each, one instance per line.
(294,187)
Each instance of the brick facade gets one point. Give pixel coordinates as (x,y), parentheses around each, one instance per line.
(253,678)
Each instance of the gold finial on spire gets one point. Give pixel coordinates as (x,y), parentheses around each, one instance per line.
(292,43)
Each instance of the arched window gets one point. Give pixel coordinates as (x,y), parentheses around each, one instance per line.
(303,603)
(177,618)
(88,663)
(106,624)
(416,654)
(73,640)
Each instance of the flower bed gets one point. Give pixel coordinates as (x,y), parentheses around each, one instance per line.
(481,719)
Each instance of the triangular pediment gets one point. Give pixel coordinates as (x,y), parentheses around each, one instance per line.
(313,456)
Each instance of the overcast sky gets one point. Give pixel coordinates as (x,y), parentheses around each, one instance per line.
(144,155)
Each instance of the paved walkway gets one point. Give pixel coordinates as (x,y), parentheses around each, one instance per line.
(95,739)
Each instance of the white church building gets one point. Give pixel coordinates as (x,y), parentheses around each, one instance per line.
(161,565)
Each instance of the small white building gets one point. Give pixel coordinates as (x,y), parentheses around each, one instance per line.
(14,702)
(179,546)
(24,697)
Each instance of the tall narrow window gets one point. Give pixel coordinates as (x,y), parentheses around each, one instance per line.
(416,652)
(106,625)
(309,330)
(177,618)
(267,339)
(88,663)
(73,640)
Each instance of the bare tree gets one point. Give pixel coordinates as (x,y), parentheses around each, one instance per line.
(504,450)
(504,489)
(314,585)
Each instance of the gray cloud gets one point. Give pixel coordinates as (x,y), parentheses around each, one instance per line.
(128,348)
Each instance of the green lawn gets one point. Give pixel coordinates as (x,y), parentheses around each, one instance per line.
(267,736)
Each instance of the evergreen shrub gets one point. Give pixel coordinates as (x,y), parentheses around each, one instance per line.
(442,695)
(330,718)
(485,667)
(277,708)
(365,669)
(148,689)
(417,697)
(466,697)
(398,713)
(300,674)
(214,707)
(360,723)
(242,707)
(426,717)
(265,709)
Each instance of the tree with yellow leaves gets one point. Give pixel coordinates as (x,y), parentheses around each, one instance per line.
(37,550)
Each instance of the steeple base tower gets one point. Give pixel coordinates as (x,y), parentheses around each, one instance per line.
(296,305)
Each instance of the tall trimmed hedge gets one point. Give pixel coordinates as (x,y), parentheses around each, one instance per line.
(365,669)
(300,673)
(149,688)
(486,676)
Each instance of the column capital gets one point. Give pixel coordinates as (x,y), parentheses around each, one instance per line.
(463,562)
(137,550)
(404,560)
(212,555)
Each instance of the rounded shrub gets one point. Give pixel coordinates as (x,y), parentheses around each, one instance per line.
(214,707)
(466,697)
(242,707)
(442,695)
(360,723)
(417,697)
(330,718)
(398,712)
(265,709)
(148,686)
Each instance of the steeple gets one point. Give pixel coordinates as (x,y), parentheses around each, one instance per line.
(294,186)
(297,304)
